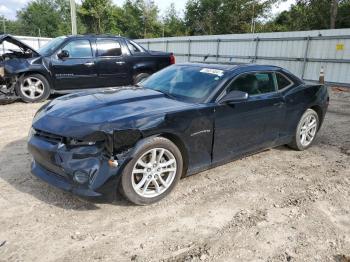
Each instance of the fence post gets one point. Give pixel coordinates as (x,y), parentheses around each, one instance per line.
(39,42)
(148,45)
(166,45)
(189,50)
(217,49)
(256,49)
(305,57)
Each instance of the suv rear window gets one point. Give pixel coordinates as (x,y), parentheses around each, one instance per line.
(108,47)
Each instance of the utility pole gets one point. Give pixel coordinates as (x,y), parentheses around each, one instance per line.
(73,16)
(334,13)
(4,25)
(252,26)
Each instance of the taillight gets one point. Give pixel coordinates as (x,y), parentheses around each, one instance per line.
(172,59)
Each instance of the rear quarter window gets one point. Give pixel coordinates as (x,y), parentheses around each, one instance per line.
(282,81)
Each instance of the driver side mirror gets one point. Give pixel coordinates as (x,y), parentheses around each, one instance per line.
(234,96)
(63,54)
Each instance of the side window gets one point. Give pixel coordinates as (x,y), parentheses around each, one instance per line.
(254,84)
(79,49)
(108,47)
(133,47)
(282,81)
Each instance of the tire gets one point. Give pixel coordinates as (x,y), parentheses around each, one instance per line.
(304,136)
(33,88)
(139,77)
(135,177)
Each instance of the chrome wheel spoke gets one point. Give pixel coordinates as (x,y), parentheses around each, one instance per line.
(146,186)
(168,170)
(142,182)
(29,81)
(138,171)
(168,163)
(161,153)
(141,163)
(155,183)
(162,181)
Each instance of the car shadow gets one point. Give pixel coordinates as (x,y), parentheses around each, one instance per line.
(15,171)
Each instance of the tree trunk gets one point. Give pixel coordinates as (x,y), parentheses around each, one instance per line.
(334,13)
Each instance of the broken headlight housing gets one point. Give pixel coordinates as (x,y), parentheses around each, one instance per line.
(77,142)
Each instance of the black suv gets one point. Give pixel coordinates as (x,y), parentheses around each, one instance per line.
(68,63)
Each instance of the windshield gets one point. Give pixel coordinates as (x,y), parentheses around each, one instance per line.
(51,46)
(185,82)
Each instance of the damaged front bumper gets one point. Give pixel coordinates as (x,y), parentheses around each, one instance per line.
(7,88)
(83,170)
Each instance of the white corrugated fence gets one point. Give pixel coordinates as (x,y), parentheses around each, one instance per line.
(303,53)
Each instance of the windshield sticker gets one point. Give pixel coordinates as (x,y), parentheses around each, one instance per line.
(212,71)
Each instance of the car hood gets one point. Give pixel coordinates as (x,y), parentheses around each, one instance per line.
(15,41)
(113,108)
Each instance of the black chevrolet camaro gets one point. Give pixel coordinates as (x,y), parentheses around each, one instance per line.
(181,120)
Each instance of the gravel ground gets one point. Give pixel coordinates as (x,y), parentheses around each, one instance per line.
(278,205)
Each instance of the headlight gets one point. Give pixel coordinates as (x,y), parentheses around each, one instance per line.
(31,133)
(76,142)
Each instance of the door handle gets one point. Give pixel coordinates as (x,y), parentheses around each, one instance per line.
(89,63)
(120,62)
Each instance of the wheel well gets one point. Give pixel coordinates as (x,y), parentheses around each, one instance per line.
(181,146)
(318,110)
(35,73)
(143,70)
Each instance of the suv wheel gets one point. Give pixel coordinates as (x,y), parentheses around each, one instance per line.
(33,88)
(139,77)
(153,172)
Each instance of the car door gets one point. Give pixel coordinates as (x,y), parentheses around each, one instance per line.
(112,67)
(252,124)
(78,69)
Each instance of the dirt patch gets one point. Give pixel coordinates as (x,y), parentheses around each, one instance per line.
(279,205)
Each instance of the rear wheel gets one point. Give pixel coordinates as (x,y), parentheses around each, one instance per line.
(139,77)
(306,130)
(33,88)
(153,172)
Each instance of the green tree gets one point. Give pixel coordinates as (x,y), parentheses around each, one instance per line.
(313,15)
(224,16)
(96,15)
(173,25)
(40,17)
(11,27)
(139,19)
(48,18)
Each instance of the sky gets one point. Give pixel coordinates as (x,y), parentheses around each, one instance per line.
(8,8)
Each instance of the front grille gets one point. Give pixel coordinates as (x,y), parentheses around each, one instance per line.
(49,136)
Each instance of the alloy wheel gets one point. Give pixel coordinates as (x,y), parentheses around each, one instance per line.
(32,87)
(154,172)
(308,130)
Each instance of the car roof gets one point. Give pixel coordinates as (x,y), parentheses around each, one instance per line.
(95,36)
(232,66)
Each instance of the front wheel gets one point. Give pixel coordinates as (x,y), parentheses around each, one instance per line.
(306,130)
(33,88)
(153,172)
